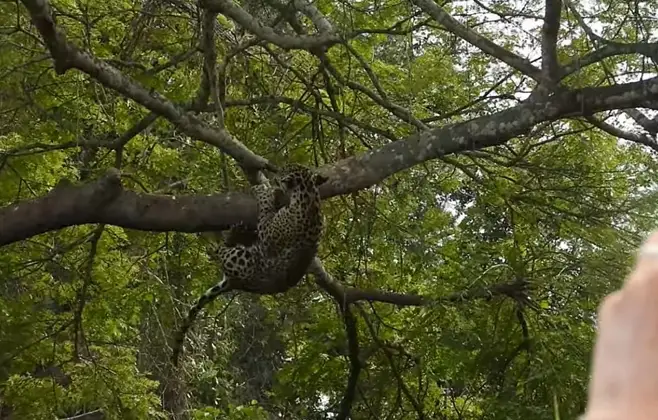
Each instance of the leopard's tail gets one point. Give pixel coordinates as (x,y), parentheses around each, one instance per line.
(210,295)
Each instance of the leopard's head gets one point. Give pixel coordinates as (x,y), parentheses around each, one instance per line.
(299,177)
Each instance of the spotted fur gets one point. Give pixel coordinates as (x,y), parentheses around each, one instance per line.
(274,258)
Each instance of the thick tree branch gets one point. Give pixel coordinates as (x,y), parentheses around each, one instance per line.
(355,173)
(511,59)
(66,56)
(64,206)
(104,201)
(549,33)
(247,21)
(209,74)
(196,214)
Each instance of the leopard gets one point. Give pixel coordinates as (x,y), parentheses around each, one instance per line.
(276,256)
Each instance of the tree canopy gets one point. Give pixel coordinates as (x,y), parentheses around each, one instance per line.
(491,169)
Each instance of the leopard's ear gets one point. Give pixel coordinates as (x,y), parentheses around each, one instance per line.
(287,181)
(319,179)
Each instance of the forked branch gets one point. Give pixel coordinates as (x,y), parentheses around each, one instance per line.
(299,42)
(66,56)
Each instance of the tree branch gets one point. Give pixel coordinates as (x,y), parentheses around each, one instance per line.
(209,73)
(66,56)
(511,59)
(81,295)
(104,201)
(635,138)
(247,21)
(92,415)
(649,124)
(610,49)
(400,112)
(588,31)
(359,172)
(355,363)
(298,104)
(319,20)
(327,283)
(64,206)
(204,213)
(349,295)
(549,32)
(418,408)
